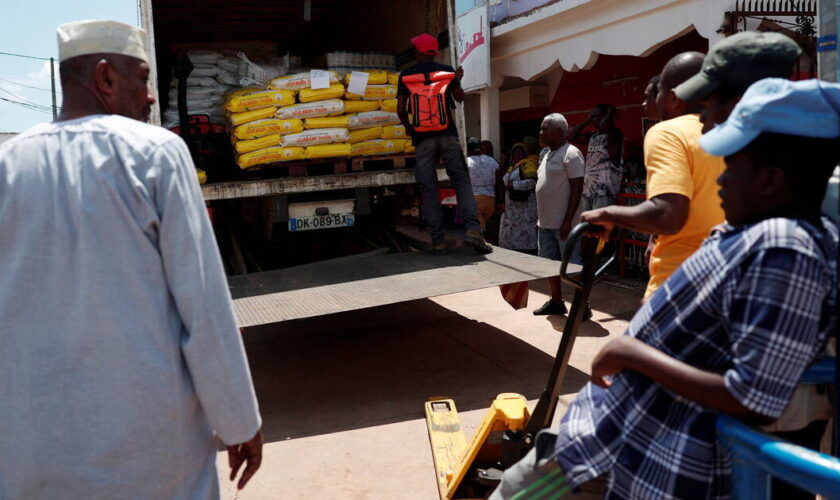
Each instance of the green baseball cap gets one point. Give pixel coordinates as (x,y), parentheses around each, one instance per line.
(741,60)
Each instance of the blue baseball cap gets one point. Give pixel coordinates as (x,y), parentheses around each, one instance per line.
(808,108)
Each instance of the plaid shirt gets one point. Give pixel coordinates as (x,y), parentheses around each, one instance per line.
(755,304)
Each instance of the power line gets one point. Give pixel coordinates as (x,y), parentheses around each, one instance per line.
(24,56)
(25,86)
(22,99)
(27,106)
(26,102)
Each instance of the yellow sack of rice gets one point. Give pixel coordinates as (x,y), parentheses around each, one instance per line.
(331,107)
(379,147)
(270,155)
(393,78)
(365,134)
(335,91)
(268,141)
(360,106)
(389,105)
(237,119)
(394,146)
(298,81)
(374,93)
(327,122)
(328,151)
(262,128)
(257,100)
(409,148)
(394,132)
(243,91)
(317,136)
(375,77)
(372,119)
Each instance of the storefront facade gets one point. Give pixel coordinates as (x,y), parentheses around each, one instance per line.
(569,55)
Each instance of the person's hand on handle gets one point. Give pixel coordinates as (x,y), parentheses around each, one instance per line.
(248,453)
(600,218)
(459,73)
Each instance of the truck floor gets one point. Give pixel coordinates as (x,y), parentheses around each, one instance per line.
(367,281)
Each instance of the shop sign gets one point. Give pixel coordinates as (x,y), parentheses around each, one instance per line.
(473,48)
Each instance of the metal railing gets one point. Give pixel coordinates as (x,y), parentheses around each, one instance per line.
(757,457)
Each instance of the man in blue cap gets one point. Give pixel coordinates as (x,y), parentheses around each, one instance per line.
(731,331)
(729,69)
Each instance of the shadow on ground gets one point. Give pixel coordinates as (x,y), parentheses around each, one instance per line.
(377,366)
(606,298)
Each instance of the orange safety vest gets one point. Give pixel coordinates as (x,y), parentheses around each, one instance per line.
(427,103)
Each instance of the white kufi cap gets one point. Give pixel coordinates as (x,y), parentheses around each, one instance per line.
(100,37)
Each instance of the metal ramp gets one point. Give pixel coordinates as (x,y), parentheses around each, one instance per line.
(368,281)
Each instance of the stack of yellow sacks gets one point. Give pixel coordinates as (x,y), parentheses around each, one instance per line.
(291,121)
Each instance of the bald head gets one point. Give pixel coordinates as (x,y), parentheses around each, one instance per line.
(679,69)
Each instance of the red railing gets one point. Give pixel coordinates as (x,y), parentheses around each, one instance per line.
(630,239)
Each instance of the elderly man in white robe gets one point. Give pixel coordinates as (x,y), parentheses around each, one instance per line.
(121,365)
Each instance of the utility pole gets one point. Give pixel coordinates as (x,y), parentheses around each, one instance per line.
(52,86)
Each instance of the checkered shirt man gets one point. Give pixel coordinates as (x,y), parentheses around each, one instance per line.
(755,303)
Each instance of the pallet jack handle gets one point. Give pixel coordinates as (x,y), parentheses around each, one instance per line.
(575,236)
(543,413)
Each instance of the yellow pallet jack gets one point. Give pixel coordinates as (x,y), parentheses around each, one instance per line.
(507,432)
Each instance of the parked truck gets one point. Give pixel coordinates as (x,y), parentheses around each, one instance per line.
(307,238)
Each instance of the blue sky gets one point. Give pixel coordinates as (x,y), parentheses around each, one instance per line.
(28,27)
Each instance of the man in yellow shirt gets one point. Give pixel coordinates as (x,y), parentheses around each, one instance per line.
(682,202)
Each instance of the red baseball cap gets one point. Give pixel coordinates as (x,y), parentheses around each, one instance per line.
(425,44)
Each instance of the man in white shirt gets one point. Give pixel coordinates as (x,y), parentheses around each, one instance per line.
(559,190)
(122,366)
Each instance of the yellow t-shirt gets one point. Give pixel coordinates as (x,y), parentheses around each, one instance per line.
(676,164)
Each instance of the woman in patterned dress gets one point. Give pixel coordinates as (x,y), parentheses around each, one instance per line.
(519,222)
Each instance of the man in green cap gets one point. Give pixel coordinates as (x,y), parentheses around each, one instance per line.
(733,64)
(728,70)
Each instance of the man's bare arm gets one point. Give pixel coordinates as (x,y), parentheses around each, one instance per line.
(703,387)
(576,134)
(615,143)
(663,214)
(574,202)
(458,92)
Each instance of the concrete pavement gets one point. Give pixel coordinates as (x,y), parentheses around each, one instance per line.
(342,396)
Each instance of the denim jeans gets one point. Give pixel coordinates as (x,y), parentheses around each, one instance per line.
(429,151)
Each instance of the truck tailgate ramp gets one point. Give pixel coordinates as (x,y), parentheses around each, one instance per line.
(337,286)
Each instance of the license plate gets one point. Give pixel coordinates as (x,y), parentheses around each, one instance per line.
(321,222)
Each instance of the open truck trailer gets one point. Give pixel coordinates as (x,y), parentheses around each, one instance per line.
(316,237)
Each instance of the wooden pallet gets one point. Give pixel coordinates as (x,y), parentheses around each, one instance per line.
(334,166)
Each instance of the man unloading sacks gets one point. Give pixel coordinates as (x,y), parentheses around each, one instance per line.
(428,90)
